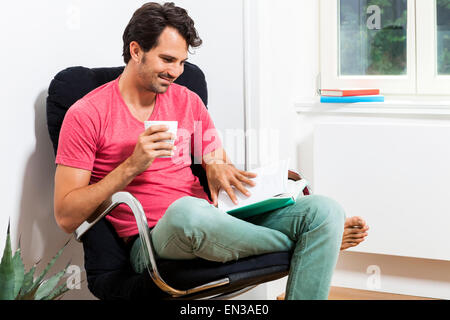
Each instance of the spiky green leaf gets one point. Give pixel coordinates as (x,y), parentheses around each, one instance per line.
(47,286)
(19,272)
(59,291)
(7,272)
(29,295)
(39,280)
(27,281)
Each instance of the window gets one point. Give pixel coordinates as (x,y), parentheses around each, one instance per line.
(399,46)
(443,36)
(374,46)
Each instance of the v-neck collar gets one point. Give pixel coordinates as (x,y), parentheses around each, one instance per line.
(124,104)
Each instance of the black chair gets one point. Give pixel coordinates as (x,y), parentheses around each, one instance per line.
(166,279)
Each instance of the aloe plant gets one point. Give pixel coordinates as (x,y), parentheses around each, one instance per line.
(15,284)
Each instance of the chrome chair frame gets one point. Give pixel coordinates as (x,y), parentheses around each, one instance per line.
(146,241)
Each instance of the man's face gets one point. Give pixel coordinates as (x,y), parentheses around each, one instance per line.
(163,64)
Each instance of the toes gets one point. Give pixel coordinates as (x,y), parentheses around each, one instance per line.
(349,240)
(353,231)
(356,235)
(357,239)
(349,231)
(354,222)
(354,243)
(348,245)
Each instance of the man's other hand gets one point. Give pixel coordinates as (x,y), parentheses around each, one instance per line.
(224,176)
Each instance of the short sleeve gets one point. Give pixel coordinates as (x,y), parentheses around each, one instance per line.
(78,138)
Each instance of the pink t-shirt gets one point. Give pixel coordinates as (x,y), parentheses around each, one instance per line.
(99,133)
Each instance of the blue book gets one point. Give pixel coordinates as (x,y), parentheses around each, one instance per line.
(352,99)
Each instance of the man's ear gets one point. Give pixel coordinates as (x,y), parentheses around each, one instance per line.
(136,52)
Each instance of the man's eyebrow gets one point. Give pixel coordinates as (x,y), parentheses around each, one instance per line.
(170,57)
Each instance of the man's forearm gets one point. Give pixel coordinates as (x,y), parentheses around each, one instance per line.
(80,204)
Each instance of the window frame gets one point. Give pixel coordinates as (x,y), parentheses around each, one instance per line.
(421,55)
(429,82)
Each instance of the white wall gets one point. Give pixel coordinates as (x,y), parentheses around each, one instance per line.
(220,25)
(287,52)
(289,65)
(40,38)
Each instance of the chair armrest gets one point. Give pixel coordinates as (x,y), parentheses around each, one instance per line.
(144,235)
(104,209)
(293,175)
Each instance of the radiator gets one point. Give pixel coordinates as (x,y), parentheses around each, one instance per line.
(396,176)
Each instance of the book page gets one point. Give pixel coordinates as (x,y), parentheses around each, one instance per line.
(295,188)
(271,180)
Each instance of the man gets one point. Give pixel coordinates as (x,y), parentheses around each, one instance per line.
(104,148)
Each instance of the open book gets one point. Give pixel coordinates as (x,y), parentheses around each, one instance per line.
(272,191)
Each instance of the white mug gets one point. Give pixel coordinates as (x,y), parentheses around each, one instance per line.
(173,128)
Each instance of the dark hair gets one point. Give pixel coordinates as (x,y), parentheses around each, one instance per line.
(149,21)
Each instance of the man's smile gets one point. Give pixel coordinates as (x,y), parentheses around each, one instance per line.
(167,79)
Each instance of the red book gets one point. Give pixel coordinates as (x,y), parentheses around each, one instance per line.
(349,92)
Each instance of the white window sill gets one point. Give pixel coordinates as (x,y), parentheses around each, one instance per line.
(434,106)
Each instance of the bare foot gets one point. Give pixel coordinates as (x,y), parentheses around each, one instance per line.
(355,231)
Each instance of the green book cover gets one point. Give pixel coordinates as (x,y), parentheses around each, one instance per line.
(272,190)
(261,207)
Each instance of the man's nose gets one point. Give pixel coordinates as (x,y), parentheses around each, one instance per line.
(175,71)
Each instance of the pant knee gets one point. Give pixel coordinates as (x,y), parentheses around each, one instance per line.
(326,211)
(186,215)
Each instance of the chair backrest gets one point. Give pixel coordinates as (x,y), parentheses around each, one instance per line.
(105,254)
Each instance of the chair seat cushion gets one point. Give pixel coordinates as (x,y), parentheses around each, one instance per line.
(127,285)
(186,274)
